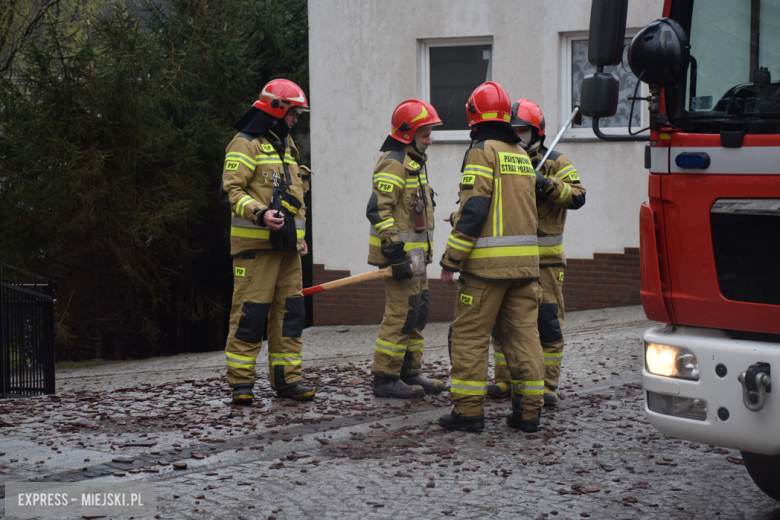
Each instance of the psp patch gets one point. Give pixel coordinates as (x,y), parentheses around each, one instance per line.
(231,166)
(267,148)
(240,271)
(384,186)
(468,179)
(468,300)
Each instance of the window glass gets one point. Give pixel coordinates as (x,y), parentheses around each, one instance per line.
(581,68)
(454,74)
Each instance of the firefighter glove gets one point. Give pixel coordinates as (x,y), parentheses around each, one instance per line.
(394,251)
(402,271)
(542,183)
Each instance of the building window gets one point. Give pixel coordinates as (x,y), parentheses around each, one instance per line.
(451,69)
(575,58)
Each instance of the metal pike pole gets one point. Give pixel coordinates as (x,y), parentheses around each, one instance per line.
(575,116)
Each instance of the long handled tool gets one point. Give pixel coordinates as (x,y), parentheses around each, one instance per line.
(575,116)
(416,255)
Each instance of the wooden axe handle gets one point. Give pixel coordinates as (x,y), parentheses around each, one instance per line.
(371,275)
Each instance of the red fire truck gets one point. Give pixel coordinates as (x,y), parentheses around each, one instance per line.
(710,232)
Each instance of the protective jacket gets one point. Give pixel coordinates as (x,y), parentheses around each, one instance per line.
(494,230)
(400,183)
(568,194)
(254,166)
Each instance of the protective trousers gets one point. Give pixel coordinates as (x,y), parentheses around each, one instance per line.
(266,285)
(399,347)
(550,330)
(512,307)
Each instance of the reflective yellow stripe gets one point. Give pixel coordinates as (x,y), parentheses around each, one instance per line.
(418,345)
(566,192)
(552,358)
(423,113)
(565,172)
(551,250)
(242,203)
(239,357)
(458,386)
(239,361)
(528,387)
(498,220)
(389,177)
(285,359)
(490,115)
(261,159)
(384,224)
(460,244)
(499,358)
(408,246)
(376,241)
(300,233)
(496,252)
(391,349)
(291,209)
(476,169)
(250,233)
(412,183)
(246,162)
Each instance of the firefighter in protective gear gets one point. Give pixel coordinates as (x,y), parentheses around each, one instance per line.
(400,211)
(528,120)
(493,245)
(264,187)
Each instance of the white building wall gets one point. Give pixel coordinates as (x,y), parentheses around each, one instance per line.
(364,60)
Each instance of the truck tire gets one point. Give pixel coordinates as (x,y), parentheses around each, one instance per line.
(765,472)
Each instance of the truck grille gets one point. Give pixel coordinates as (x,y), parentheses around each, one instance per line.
(746,244)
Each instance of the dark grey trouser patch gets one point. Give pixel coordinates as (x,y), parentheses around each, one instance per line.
(292,325)
(549,326)
(250,326)
(411,315)
(425,307)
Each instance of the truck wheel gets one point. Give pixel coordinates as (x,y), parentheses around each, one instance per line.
(765,472)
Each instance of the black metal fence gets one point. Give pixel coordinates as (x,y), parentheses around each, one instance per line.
(26,333)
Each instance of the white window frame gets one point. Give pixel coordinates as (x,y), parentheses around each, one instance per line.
(424,87)
(586,134)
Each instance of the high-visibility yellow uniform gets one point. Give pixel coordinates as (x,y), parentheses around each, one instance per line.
(493,244)
(568,194)
(399,183)
(267,283)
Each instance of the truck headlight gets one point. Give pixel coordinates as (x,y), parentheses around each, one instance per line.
(665,360)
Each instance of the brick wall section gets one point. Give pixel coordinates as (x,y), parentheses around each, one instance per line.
(608,280)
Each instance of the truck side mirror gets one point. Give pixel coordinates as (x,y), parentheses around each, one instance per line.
(659,53)
(607,32)
(599,95)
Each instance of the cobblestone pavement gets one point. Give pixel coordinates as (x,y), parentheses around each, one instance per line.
(350,455)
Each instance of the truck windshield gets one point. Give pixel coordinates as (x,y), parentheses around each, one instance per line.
(734,73)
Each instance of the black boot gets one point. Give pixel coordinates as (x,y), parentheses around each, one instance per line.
(454,421)
(297,392)
(431,386)
(242,393)
(550,397)
(385,386)
(516,420)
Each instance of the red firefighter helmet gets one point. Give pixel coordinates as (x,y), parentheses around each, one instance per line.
(527,113)
(279,95)
(488,102)
(411,115)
